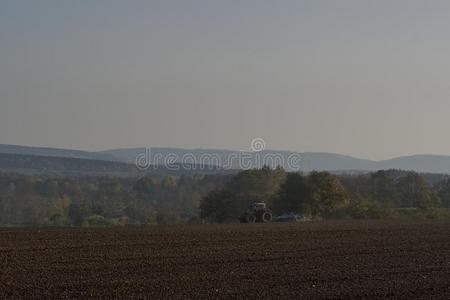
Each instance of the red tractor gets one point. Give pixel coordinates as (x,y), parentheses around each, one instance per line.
(257,212)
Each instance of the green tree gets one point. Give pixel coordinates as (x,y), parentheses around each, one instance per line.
(220,206)
(369,209)
(293,195)
(384,186)
(146,185)
(327,195)
(256,185)
(416,192)
(78,212)
(443,192)
(168,183)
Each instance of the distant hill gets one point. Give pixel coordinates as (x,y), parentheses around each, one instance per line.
(422,163)
(230,159)
(238,160)
(67,166)
(54,152)
(309,160)
(52,165)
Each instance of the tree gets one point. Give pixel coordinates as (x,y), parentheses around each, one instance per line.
(139,211)
(416,192)
(327,195)
(146,185)
(48,188)
(443,192)
(77,212)
(169,183)
(384,188)
(220,206)
(293,195)
(257,185)
(369,209)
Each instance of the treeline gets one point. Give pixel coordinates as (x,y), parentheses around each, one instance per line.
(38,201)
(92,201)
(321,195)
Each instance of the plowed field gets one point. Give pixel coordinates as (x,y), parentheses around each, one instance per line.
(304,260)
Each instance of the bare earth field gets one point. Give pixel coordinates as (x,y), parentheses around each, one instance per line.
(307,260)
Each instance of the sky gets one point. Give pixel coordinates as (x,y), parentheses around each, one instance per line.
(367,78)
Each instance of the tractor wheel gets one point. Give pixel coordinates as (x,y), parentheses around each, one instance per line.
(251,219)
(266,217)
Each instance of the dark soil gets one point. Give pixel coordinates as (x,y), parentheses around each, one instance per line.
(302,260)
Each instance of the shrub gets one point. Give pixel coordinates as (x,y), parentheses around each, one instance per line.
(96,220)
(366,209)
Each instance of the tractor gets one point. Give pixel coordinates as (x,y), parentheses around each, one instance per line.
(257,212)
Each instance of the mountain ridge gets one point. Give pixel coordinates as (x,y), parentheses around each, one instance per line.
(322,161)
(53,152)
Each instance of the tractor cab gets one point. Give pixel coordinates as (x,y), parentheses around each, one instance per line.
(258,206)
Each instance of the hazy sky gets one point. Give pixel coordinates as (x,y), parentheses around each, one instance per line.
(365,78)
